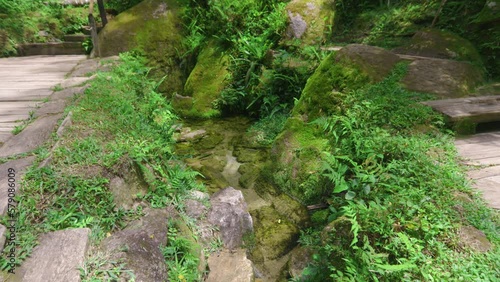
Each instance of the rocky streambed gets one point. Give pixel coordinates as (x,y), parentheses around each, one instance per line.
(227,155)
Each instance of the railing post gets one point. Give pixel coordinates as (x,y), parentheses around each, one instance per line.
(93,31)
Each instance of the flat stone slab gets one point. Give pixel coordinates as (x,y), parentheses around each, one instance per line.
(230,266)
(19,166)
(57,258)
(34,135)
(483,151)
(474,109)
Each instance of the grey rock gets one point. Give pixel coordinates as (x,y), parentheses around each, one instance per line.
(198,195)
(68,93)
(230,266)
(229,213)
(75,81)
(446,78)
(31,137)
(57,257)
(471,237)
(297,26)
(194,208)
(139,245)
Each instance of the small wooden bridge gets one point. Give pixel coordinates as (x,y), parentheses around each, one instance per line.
(480,151)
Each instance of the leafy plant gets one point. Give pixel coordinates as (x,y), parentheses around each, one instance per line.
(182,264)
(390,206)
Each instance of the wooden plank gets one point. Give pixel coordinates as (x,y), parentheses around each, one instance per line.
(485,172)
(475,109)
(488,137)
(490,189)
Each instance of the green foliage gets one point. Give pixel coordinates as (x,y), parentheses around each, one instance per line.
(248,30)
(266,129)
(182,264)
(22,20)
(391,172)
(121,5)
(99,267)
(120,119)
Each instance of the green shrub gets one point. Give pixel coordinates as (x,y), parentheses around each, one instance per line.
(391,172)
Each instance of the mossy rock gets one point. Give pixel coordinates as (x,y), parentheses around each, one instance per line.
(445,78)
(300,258)
(296,161)
(490,13)
(309,20)
(248,155)
(210,141)
(441,44)
(291,209)
(154,27)
(349,69)
(249,174)
(338,233)
(205,83)
(274,234)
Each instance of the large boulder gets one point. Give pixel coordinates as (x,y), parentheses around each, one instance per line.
(229,213)
(296,154)
(204,84)
(446,78)
(155,28)
(440,44)
(138,245)
(275,235)
(490,13)
(309,20)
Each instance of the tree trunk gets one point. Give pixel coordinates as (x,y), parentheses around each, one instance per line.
(102,12)
(438,12)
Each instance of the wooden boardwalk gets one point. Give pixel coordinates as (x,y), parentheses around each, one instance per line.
(25,82)
(482,153)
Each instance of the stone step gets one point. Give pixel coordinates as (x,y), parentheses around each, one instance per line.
(75,2)
(76,37)
(51,48)
(57,258)
(474,109)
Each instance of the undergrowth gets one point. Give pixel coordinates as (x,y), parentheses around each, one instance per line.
(262,81)
(37,21)
(392,215)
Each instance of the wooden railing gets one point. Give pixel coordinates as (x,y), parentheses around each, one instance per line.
(93,25)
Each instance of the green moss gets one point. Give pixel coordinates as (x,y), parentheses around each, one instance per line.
(206,81)
(274,234)
(296,161)
(319,16)
(292,209)
(322,94)
(441,44)
(153,27)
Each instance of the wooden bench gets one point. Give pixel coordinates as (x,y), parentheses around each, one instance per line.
(466,113)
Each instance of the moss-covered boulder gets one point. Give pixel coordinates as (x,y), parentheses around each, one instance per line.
(274,234)
(291,209)
(155,28)
(296,154)
(309,20)
(350,68)
(490,13)
(205,83)
(445,78)
(440,44)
